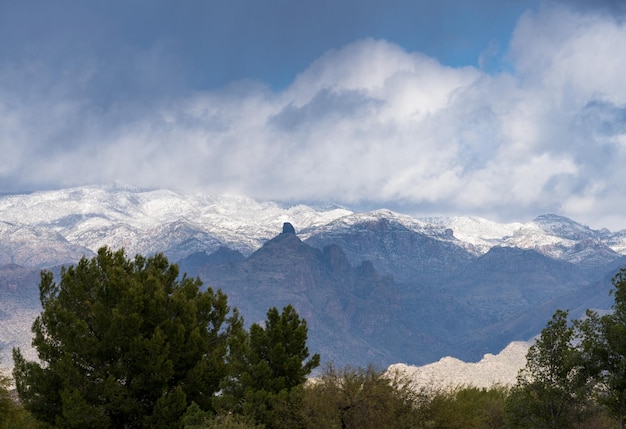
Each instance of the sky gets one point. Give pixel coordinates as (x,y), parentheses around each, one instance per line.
(504,109)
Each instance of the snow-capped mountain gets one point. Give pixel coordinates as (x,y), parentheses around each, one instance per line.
(378,287)
(551,235)
(51,227)
(80,220)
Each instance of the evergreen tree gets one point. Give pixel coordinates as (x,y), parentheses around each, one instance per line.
(123,343)
(266,365)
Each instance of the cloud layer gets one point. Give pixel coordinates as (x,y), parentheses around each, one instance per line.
(367,124)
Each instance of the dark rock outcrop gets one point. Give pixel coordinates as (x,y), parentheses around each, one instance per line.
(288,228)
(447,303)
(353,313)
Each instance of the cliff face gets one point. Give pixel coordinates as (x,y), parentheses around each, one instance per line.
(456,304)
(352,311)
(409,256)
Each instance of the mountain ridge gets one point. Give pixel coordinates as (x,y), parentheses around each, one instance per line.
(376,287)
(85,218)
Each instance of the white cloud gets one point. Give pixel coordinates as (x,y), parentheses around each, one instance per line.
(368,122)
(570,56)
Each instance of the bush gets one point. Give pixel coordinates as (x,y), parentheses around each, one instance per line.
(467,408)
(359,398)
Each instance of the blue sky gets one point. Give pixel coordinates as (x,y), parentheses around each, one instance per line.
(501,109)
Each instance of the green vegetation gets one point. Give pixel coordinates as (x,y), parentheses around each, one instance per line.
(196,418)
(575,374)
(127,343)
(552,391)
(12,414)
(358,398)
(130,343)
(266,364)
(468,408)
(604,351)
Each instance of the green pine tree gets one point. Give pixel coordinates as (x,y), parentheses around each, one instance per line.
(123,343)
(267,364)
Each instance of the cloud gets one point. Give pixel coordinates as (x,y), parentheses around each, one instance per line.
(367,124)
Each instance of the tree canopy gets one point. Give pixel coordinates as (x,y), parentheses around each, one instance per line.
(266,364)
(575,371)
(552,390)
(123,343)
(129,343)
(604,347)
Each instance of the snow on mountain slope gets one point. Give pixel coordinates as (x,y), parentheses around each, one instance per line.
(481,234)
(616,241)
(449,372)
(555,236)
(348,221)
(90,217)
(562,238)
(49,228)
(76,221)
(35,246)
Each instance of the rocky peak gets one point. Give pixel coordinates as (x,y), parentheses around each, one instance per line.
(288,228)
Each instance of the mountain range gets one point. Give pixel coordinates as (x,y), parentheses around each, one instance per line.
(375,287)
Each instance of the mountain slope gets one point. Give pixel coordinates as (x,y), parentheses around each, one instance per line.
(449,373)
(375,287)
(360,316)
(408,255)
(145,221)
(352,311)
(19,306)
(76,220)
